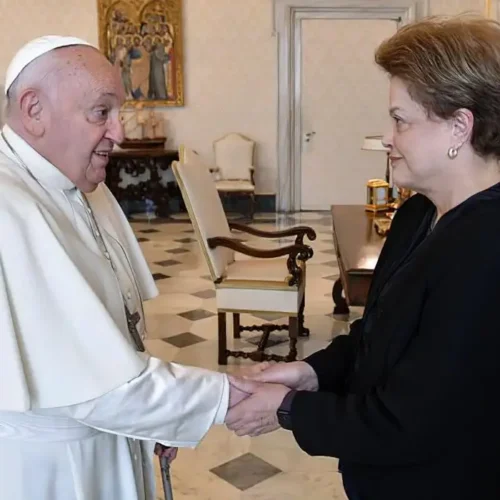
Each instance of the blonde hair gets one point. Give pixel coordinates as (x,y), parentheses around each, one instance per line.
(450,64)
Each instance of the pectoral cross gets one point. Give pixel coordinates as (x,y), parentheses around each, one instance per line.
(132,321)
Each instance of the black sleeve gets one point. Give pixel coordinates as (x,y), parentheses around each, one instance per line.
(449,370)
(333,363)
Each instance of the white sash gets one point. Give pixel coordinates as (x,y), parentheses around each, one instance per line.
(42,428)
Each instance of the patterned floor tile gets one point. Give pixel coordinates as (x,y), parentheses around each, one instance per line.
(245,471)
(332,277)
(160,276)
(205,294)
(161,349)
(327,221)
(183,284)
(273,340)
(160,326)
(178,250)
(185,339)
(197,314)
(331,263)
(174,303)
(168,262)
(269,316)
(185,240)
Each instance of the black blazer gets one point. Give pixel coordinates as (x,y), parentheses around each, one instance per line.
(408,400)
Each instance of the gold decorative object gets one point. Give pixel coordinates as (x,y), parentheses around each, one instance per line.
(382,225)
(377,195)
(402,195)
(144,39)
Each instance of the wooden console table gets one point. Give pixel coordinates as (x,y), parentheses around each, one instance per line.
(136,162)
(358,247)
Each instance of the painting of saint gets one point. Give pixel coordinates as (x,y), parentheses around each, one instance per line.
(145,43)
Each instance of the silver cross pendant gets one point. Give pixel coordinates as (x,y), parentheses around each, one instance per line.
(132,321)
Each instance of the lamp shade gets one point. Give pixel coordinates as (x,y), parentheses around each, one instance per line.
(374,143)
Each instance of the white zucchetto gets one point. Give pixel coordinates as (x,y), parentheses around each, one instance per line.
(36,48)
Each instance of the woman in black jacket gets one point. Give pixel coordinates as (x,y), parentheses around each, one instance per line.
(408,400)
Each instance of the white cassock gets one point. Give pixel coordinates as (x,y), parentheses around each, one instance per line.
(80,408)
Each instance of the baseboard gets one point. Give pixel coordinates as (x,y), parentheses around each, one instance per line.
(233,203)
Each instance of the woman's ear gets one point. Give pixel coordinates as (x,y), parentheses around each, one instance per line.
(462,123)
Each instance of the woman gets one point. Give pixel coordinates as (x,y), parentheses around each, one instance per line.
(408,400)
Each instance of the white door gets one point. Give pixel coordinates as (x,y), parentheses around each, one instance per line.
(344,98)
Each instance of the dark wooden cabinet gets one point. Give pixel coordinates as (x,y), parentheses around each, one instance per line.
(136,163)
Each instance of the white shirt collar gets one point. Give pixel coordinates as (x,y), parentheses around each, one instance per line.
(44,172)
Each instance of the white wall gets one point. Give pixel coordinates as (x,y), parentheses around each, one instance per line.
(230,65)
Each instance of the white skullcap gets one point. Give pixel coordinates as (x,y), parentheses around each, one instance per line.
(34,49)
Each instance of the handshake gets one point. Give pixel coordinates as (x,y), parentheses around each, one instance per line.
(257,392)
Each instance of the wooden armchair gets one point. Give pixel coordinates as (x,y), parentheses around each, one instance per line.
(272,282)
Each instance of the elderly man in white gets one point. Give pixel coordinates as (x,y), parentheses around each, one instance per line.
(81,403)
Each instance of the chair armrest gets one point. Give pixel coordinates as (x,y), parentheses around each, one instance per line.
(295,252)
(298,231)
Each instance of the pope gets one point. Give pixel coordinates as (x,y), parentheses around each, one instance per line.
(82,404)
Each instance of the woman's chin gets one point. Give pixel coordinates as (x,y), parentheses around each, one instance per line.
(400,179)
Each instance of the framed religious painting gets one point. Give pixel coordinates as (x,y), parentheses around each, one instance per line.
(143,38)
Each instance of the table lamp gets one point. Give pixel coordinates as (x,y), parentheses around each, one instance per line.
(374,143)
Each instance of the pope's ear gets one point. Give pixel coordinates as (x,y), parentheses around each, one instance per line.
(30,107)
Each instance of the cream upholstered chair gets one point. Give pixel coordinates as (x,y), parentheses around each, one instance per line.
(272,282)
(234,167)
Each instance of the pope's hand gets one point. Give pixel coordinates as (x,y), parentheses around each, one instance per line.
(236,394)
(166,451)
(256,415)
(297,375)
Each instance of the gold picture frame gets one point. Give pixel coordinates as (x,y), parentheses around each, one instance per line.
(144,38)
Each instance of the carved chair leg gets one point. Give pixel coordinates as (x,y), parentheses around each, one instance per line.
(222,339)
(293,332)
(236,326)
(303,331)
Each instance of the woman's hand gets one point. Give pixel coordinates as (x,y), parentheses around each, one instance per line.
(297,375)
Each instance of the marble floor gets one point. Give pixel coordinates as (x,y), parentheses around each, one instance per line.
(182,327)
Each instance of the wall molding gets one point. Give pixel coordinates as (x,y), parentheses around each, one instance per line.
(288,15)
(492,9)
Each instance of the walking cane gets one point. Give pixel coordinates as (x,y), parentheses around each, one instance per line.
(165,474)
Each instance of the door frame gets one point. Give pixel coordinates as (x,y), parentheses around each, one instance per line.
(492,9)
(288,16)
